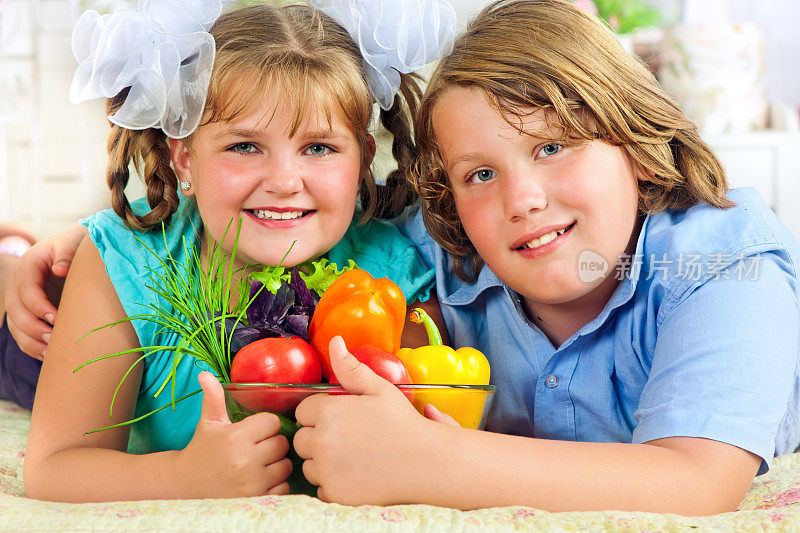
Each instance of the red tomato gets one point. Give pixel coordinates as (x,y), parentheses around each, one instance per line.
(274,360)
(385,364)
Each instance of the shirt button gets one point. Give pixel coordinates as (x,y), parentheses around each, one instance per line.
(551,380)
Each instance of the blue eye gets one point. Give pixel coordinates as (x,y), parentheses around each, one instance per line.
(483,174)
(318,149)
(243,148)
(549,149)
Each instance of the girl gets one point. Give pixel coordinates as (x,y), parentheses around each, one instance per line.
(283,145)
(642,325)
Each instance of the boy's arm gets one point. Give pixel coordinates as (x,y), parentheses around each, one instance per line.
(33,289)
(421,461)
(682,475)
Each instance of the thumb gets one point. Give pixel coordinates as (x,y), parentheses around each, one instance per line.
(432,413)
(61,267)
(213,410)
(354,375)
(62,259)
(64,246)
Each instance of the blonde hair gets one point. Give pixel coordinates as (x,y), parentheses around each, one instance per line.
(292,50)
(548,54)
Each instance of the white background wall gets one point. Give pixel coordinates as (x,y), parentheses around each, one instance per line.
(54,151)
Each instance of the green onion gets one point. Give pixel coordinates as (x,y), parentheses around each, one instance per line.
(198,303)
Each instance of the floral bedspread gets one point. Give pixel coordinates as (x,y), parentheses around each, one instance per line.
(773,502)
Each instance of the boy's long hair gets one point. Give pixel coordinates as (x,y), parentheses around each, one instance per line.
(531,54)
(294,51)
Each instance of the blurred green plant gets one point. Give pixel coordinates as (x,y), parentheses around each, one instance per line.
(625,16)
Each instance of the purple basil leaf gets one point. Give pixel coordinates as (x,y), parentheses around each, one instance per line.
(298,324)
(257,312)
(286,313)
(284,300)
(305,297)
(244,335)
(277,331)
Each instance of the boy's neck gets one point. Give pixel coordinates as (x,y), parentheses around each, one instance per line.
(561,321)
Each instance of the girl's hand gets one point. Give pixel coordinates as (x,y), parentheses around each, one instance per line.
(33,289)
(361,448)
(228,460)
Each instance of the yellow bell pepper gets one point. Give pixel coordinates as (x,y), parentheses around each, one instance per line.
(437,364)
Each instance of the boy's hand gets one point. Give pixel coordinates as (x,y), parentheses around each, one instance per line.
(33,289)
(227,460)
(437,416)
(361,448)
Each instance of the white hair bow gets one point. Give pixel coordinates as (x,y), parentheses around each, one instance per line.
(394,36)
(162,50)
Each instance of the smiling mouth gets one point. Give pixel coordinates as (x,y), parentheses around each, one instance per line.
(545,239)
(265,214)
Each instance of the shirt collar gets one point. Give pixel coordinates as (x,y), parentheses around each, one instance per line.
(466,293)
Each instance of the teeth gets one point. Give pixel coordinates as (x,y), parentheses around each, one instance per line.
(544,239)
(274,215)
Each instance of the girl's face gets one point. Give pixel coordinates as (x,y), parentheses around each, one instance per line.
(543,214)
(285,188)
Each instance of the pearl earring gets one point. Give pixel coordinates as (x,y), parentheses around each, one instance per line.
(186,185)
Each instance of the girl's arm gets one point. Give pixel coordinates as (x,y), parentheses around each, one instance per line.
(64,464)
(421,461)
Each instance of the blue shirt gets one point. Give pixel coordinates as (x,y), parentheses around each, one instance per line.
(377,247)
(699,340)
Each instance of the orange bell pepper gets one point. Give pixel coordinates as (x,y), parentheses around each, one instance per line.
(361,309)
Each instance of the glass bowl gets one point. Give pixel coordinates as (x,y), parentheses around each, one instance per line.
(467,404)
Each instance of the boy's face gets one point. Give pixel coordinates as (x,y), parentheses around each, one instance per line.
(543,214)
(301,188)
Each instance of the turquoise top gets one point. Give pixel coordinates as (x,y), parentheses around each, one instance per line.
(377,247)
